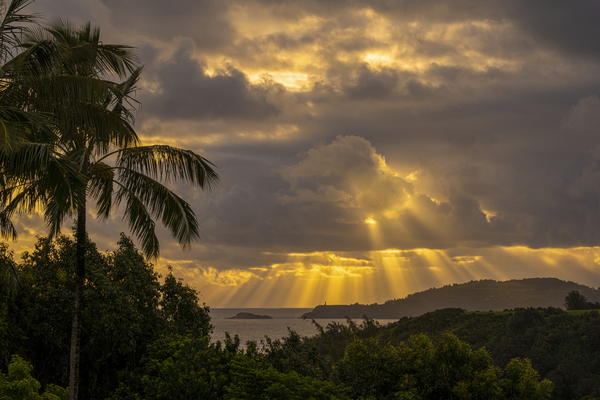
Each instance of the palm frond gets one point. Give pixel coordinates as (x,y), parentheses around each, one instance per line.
(105,129)
(34,160)
(124,100)
(67,90)
(78,105)
(24,200)
(101,188)
(79,51)
(161,203)
(7,229)
(65,183)
(56,195)
(34,176)
(23,126)
(27,163)
(11,26)
(55,215)
(140,221)
(169,164)
(12,135)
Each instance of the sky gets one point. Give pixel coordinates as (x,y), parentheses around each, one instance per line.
(367,149)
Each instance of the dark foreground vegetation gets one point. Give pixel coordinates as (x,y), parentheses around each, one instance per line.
(145,338)
(67,144)
(563,346)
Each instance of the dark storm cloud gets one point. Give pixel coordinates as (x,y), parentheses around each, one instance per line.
(570,28)
(204,21)
(330,193)
(185,90)
(456,10)
(539,182)
(126,21)
(373,84)
(503,133)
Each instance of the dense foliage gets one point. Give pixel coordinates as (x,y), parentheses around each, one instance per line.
(86,149)
(563,346)
(19,384)
(125,310)
(144,339)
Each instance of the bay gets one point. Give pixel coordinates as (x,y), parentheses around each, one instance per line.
(276,328)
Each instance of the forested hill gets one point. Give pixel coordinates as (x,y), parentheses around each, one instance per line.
(483,295)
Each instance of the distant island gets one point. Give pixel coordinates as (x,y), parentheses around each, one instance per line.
(247,315)
(482,295)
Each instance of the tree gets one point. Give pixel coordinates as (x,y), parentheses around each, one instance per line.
(19,384)
(575,301)
(124,301)
(9,278)
(445,369)
(180,309)
(69,73)
(9,285)
(183,367)
(15,121)
(294,353)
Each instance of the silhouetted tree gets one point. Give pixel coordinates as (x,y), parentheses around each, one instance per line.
(576,301)
(69,76)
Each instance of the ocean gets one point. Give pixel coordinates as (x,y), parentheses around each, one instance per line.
(257,329)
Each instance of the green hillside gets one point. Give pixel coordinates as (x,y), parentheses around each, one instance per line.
(483,295)
(563,346)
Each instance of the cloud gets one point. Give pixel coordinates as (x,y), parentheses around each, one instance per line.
(373,84)
(347,172)
(584,117)
(461,128)
(231,277)
(571,30)
(204,21)
(239,207)
(347,183)
(323,200)
(184,89)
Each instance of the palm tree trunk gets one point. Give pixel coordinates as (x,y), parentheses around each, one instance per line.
(79,281)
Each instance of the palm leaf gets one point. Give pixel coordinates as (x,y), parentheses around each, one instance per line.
(140,221)
(124,99)
(55,215)
(161,203)
(101,188)
(77,50)
(11,26)
(169,164)
(7,229)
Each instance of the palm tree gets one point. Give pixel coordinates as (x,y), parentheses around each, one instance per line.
(15,122)
(68,74)
(10,29)
(17,127)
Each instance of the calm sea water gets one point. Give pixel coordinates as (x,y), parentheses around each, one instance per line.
(257,329)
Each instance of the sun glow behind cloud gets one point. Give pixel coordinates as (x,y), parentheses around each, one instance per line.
(455,96)
(309,279)
(293,81)
(296,51)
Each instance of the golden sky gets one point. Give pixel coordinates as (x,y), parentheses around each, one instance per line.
(368,150)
